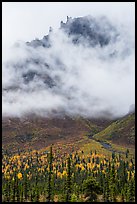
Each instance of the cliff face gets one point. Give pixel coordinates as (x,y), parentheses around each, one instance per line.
(83,30)
(93,31)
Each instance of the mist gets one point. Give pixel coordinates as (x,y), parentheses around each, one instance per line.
(68,78)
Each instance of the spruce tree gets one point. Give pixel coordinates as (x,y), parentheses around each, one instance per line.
(25,187)
(91,189)
(68,186)
(130,192)
(49,175)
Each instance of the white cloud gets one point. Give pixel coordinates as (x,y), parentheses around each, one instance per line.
(88,81)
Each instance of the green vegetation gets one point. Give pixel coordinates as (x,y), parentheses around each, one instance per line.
(91,189)
(38,176)
(96,164)
(121,130)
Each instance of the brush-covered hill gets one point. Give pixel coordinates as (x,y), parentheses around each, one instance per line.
(37,132)
(122,131)
(68,134)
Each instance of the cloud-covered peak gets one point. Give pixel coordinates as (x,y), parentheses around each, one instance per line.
(93,31)
(85,68)
(88,31)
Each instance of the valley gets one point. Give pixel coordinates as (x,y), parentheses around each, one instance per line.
(69,134)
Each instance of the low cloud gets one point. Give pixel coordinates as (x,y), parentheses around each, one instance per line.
(68,78)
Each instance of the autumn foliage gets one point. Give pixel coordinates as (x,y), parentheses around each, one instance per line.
(45,176)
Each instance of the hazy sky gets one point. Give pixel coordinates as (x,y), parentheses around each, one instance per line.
(28,20)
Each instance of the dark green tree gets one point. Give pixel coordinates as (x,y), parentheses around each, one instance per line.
(91,189)
(131,192)
(68,181)
(113,155)
(106,190)
(122,196)
(25,186)
(49,175)
(127,153)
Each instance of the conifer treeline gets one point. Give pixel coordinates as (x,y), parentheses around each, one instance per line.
(39,176)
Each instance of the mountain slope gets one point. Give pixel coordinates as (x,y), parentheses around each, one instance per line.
(121,131)
(38,132)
